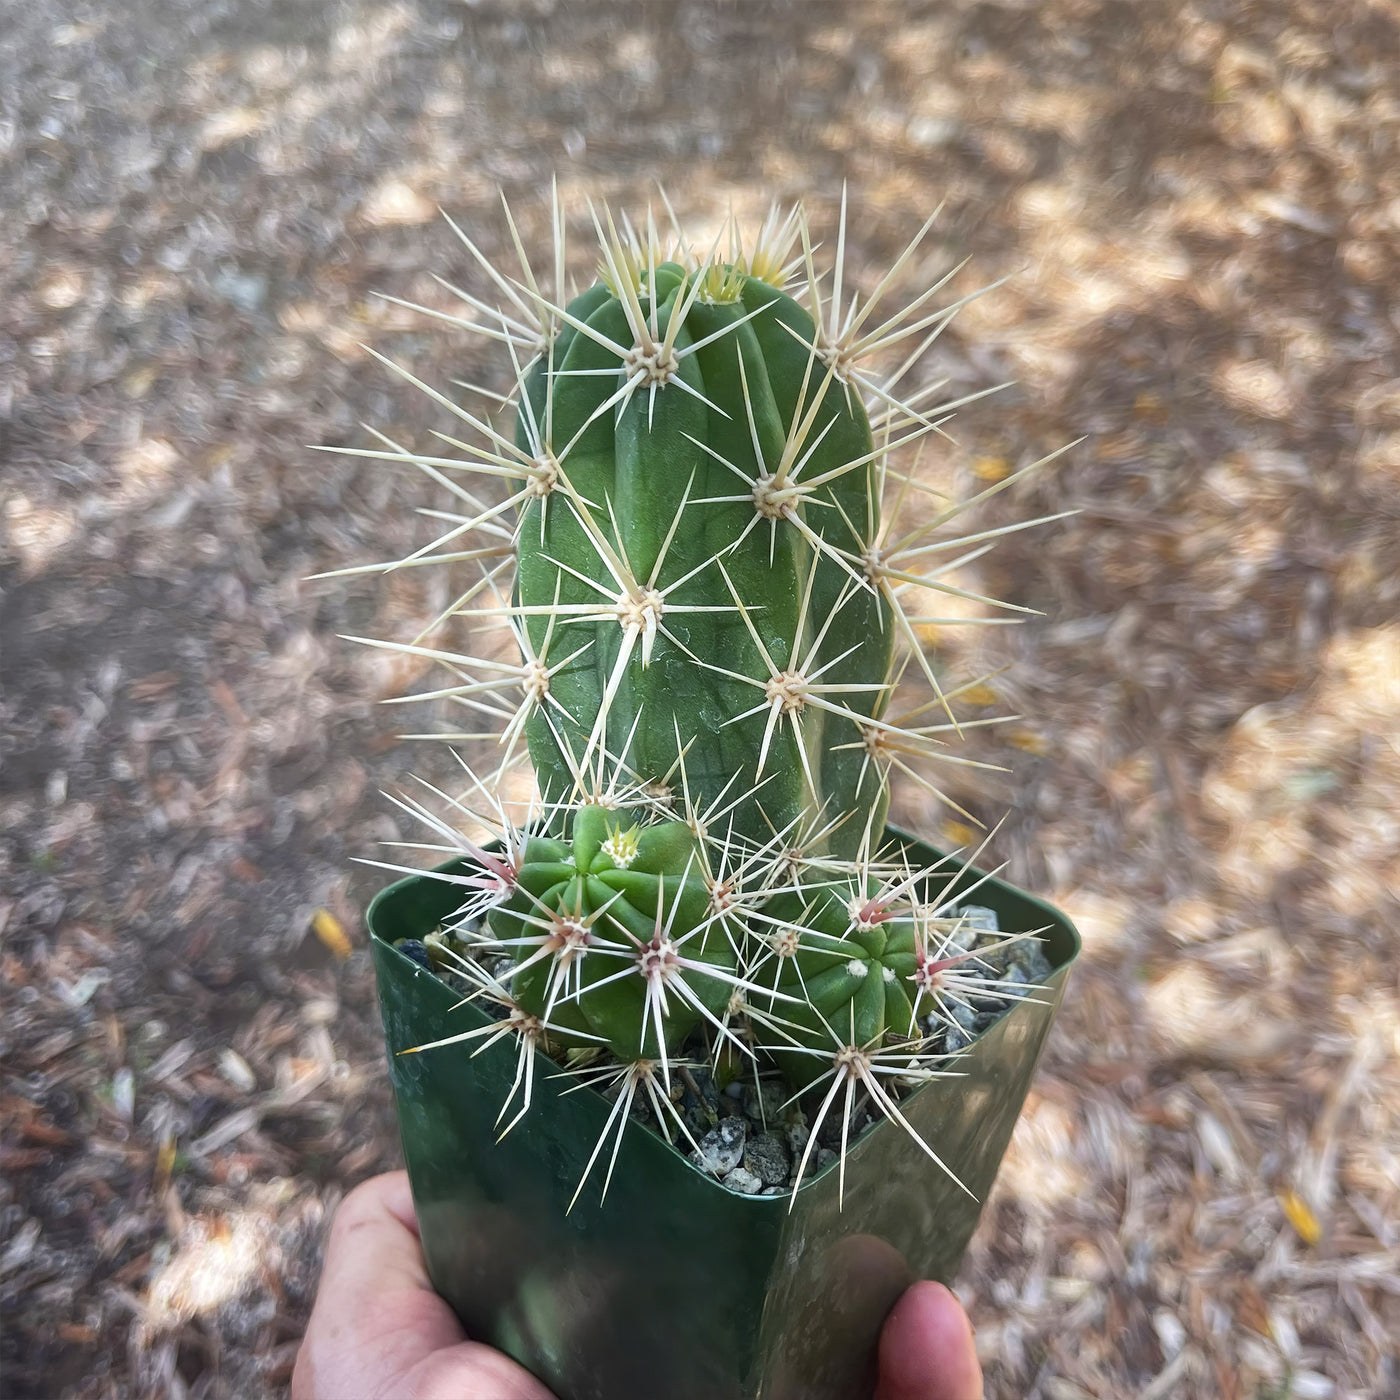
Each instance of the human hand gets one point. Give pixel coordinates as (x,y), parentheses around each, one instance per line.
(926,1348)
(379,1332)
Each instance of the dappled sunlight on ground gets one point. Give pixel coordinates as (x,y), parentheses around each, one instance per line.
(1199,216)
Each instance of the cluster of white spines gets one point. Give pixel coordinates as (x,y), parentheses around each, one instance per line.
(899,559)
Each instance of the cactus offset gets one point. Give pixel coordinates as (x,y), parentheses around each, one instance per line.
(702,558)
(612,936)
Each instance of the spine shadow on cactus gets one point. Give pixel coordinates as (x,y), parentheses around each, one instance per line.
(705,560)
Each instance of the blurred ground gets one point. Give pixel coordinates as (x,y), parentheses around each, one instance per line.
(1201,206)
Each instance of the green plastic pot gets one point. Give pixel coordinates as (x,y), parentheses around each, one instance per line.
(674,1287)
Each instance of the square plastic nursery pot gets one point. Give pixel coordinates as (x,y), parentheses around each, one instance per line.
(675,1287)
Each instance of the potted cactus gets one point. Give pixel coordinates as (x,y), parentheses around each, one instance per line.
(698,1063)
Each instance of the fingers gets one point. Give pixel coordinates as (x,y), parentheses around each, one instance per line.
(926,1349)
(374,1256)
(472,1371)
(376,1316)
(379,1330)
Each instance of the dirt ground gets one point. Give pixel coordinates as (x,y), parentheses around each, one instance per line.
(1198,206)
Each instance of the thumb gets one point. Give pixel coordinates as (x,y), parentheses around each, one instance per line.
(926,1349)
(471,1369)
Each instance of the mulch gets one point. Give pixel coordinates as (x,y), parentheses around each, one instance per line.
(1198,208)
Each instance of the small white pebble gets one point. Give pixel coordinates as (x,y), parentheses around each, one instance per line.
(124,1094)
(320,1011)
(237,1070)
(1170,1333)
(743,1181)
(1312,1385)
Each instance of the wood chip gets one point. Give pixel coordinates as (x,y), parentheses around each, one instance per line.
(332,933)
(1299,1215)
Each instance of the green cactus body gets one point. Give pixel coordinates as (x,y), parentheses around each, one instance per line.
(585,915)
(664,553)
(708,607)
(849,966)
